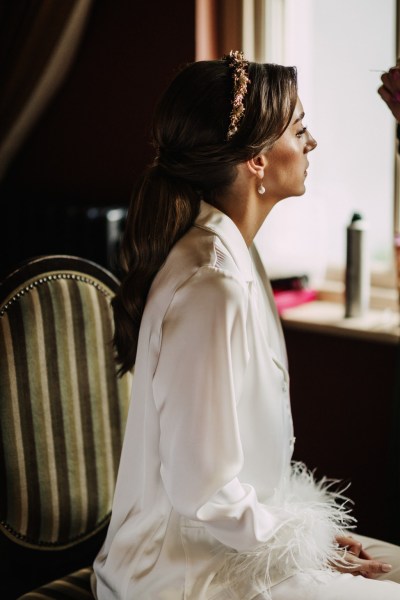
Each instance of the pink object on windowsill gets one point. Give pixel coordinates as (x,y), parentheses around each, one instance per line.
(289,298)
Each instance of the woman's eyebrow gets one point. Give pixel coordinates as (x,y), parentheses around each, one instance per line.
(299,118)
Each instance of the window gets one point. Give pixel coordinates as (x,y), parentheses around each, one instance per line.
(340,48)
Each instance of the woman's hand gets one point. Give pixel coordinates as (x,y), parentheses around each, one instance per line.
(357,561)
(390,90)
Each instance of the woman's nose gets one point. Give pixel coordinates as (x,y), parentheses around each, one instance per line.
(311,143)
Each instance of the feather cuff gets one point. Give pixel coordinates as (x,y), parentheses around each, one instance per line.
(310,516)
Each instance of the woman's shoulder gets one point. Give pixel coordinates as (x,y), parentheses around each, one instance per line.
(199,266)
(199,250)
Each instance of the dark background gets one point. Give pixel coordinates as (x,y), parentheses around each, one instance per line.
(93,139)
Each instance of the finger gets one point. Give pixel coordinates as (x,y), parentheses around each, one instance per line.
(365,555)
(391,80)
(387,82)
(394,75)
(352,545)
(374,567)
(393,104)
(346,565)
(355,547)
(385,94)
(344,540)
(356,566)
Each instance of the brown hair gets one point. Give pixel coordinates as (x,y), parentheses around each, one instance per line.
(194,161)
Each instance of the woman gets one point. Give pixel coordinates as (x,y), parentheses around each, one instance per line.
(207,505)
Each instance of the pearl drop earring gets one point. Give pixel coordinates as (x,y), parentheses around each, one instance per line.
(261,188)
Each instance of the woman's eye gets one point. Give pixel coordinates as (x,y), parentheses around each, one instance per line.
(301,132)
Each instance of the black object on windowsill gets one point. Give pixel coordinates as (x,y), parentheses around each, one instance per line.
(297,282)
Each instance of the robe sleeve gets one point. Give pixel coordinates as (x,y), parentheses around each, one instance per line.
(197,385)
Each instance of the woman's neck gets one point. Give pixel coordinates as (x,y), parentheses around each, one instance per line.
(244,205)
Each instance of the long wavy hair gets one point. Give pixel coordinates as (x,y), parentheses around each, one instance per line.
(194,160)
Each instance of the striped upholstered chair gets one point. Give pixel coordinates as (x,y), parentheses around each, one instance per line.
(62,417)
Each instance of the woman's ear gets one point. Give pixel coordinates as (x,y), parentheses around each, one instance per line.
(256,165)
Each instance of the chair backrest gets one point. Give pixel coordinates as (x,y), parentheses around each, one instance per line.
(62,407)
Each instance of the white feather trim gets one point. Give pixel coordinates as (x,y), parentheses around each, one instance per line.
(310,516)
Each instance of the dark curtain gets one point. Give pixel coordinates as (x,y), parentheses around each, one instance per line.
(38,42)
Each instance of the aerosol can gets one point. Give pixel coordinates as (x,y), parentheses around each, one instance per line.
(357,268)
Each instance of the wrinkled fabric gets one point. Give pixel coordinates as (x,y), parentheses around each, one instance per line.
(209,437)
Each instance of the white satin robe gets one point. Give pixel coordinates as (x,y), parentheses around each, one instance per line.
(209,436)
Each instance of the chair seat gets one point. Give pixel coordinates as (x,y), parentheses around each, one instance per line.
(73,586)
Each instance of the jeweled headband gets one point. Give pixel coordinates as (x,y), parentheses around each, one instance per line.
(239,67)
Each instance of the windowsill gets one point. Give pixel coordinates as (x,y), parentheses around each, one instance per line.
(326,315)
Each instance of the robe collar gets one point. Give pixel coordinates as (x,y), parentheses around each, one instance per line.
(220,224)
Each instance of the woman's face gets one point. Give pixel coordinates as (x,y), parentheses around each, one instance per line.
(287,161)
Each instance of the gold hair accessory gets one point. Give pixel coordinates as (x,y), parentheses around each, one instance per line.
(238,66)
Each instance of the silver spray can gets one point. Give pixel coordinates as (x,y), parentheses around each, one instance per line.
(357,288)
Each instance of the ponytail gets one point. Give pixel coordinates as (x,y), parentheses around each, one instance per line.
(161,211)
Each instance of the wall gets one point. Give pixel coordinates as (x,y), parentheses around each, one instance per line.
(345,402)
(92,142)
